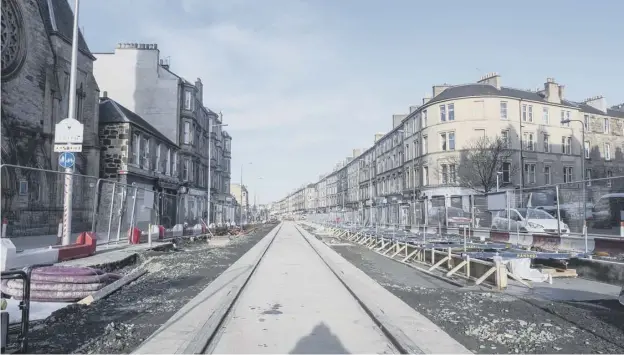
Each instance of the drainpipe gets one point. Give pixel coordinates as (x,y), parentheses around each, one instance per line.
(521,154)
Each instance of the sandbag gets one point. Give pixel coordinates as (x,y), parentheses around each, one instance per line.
(55,286)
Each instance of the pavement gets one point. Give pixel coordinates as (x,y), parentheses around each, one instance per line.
(568,317)
(119,323)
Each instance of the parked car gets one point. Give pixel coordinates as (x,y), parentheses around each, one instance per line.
(455,217)
(527,220)
(606,211)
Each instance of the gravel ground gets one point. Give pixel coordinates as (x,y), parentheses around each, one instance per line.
(491,322)
(119,323)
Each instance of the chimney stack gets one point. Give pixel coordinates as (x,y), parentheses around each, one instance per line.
(413,108)
(491,79)
(378,136)
(597,102)
(104,93)
(438,89)
(397,119)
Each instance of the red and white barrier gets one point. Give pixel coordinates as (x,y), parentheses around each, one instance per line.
(85,245)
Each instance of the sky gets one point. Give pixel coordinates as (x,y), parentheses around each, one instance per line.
(303,83)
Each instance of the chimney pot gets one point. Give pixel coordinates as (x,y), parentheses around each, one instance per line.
(105,93)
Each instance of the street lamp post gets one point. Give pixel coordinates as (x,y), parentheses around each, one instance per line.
(210,126)
(241,188)
(69,177)
(582,180)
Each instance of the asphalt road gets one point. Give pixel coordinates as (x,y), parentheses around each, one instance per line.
(119,323)
(491,322)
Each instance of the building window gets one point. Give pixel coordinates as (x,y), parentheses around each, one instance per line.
(565,115)
(530,113)
(174,164)
(586,148)
(529,141)
(136,146)
(607,149)
(606,125)
(424,145)
(187,133)
(568,174)
(451,112)
(566,145)
(503,110)
(546,144)
(506,172)
(448,174)
(609,176)
(186,170)
(145,163)
(545,116)
(425,175)
(505,138)
(547,177)
(586,123)
(423,119)
(159,164)
(447,141)
(524,112)
(168,162)
(442,113)
(188,100)
(529,173)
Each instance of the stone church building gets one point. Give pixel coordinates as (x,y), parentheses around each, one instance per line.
(36,56)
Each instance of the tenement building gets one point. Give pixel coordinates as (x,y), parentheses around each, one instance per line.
(136,77)
(36,61)
(438,151)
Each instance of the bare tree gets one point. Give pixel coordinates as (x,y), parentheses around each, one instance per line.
(478,165)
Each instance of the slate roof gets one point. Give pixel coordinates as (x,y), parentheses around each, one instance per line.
(113,112)
(478,89)
(58,19)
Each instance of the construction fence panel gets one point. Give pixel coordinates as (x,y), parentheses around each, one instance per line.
(599,201)
(32,202)
(437,211)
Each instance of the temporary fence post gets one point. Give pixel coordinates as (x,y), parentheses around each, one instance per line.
(95,205)
(110,213)
(121,214)
(558,210)
(149,234)
(134,198)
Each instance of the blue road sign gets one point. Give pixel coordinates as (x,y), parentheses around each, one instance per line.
(67,160)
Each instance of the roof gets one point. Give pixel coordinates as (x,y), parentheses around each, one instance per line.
(58,19)
(482,89)
(113,112)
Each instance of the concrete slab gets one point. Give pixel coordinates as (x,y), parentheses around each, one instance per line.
(413,331)
(113,254)
(295,304)
(219,241)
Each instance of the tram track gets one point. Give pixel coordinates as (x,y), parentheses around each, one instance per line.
(397,343)
(230,314)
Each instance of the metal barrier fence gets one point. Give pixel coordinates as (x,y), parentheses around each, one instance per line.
(32,201)
(32,206)
(597,204)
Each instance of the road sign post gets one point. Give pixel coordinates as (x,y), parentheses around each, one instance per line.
(68,133)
